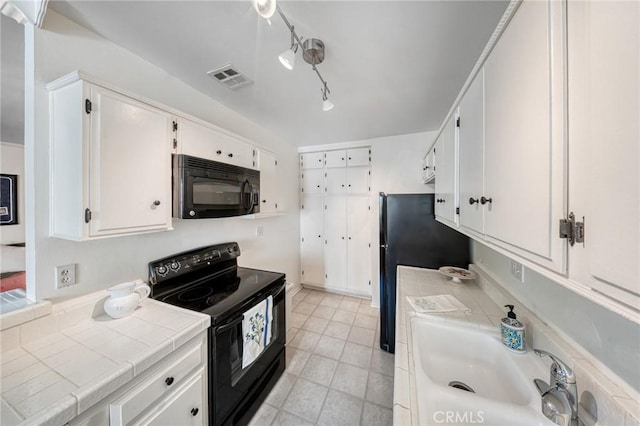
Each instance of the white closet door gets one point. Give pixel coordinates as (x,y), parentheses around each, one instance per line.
(335,181)
(312,240)
(335,227)
(359,245)
(335,158)
(358,180)
(312,181)
(358,157)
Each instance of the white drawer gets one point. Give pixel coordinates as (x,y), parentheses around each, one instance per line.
(130,405)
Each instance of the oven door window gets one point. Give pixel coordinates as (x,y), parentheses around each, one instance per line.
(207,192)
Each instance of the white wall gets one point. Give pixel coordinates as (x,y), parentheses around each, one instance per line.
(12,162)
(611,339)
(62,46)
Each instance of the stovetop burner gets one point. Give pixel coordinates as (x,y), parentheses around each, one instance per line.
(192,295)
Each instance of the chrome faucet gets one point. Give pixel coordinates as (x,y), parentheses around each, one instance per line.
(560,396)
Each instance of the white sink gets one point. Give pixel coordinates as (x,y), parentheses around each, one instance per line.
(502,381)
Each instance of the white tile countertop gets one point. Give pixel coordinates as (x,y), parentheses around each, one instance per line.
(56,367)
(484,297)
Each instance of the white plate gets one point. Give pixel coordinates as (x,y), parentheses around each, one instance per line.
(457,274)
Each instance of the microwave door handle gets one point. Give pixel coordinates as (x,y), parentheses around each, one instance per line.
(242,192)
(249,197)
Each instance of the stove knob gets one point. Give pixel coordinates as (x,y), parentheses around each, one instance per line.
(161,270)
(192,213)
(230,250)
(174,266)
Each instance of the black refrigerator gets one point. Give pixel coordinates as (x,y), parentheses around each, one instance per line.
(411,236)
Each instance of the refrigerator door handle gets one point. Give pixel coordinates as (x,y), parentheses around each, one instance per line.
(384,246)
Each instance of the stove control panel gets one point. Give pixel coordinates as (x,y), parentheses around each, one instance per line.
(191,261)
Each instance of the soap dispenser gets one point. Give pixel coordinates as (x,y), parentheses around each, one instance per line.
(512,332)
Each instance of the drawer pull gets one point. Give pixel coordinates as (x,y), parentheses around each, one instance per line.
(169,381)
(194,412)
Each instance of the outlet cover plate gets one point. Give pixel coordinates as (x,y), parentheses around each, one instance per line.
(66,275)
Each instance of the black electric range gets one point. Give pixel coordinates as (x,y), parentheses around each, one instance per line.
(208,280)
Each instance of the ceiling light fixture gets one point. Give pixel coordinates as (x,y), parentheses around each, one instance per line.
(265,8)
(312,48)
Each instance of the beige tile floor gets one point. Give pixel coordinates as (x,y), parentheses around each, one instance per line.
(336,372)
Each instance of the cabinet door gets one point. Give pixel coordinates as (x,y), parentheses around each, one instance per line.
(428,171)
(445,172)
(335,158)
(604,106)
(335,255)
(358,180)
(268,182)
(130,165)
(524,141)
(200,141)
(186,407)
(471,156)
(335,181)
(312,160)
(359,245)
(238,153)
(312,240)
(312,181)
(358,157)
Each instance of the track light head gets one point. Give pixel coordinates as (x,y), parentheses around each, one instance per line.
(265,8)
(288,59)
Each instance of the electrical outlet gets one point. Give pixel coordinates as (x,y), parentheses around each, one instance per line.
(259,231)
(66,275)
(517,271)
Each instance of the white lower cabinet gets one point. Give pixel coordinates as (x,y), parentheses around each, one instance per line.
(185,407)
(173,392)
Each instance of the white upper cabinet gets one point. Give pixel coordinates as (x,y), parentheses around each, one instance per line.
(312,160)
(471,156)
(524,150)
(312,182)
(110,162)
(358,157)
(268,182)
(358,180)
(335,180)
(428,162)
(445,169)
(335,158)
(604,144)
(202,141)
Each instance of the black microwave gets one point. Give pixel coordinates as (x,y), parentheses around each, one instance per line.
(206,189)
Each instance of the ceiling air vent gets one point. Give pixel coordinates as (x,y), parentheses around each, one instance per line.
(230,77)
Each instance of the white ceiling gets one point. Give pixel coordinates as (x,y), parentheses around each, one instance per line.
(393,67)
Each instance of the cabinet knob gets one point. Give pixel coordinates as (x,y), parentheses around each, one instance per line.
(156,203)
(319,236)
(218,152)
(472,200)
(318,186)
(168,381)
(194,412)
(349,158)
(264,201)
(343,238)
(342,158)
(230,155)
(484,200)
(343,185)
(349,185)
(349,237)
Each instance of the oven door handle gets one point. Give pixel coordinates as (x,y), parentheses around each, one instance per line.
(233,323)
(230,325)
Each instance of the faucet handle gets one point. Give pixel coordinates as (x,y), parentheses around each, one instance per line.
(560,371)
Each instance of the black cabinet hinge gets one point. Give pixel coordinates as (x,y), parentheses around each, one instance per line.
(457,210)
(276,162)
(87,106)
(175,126)
(458,122)
(87,215)
(175,143)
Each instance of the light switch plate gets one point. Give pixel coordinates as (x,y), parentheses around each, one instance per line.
(259,231)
